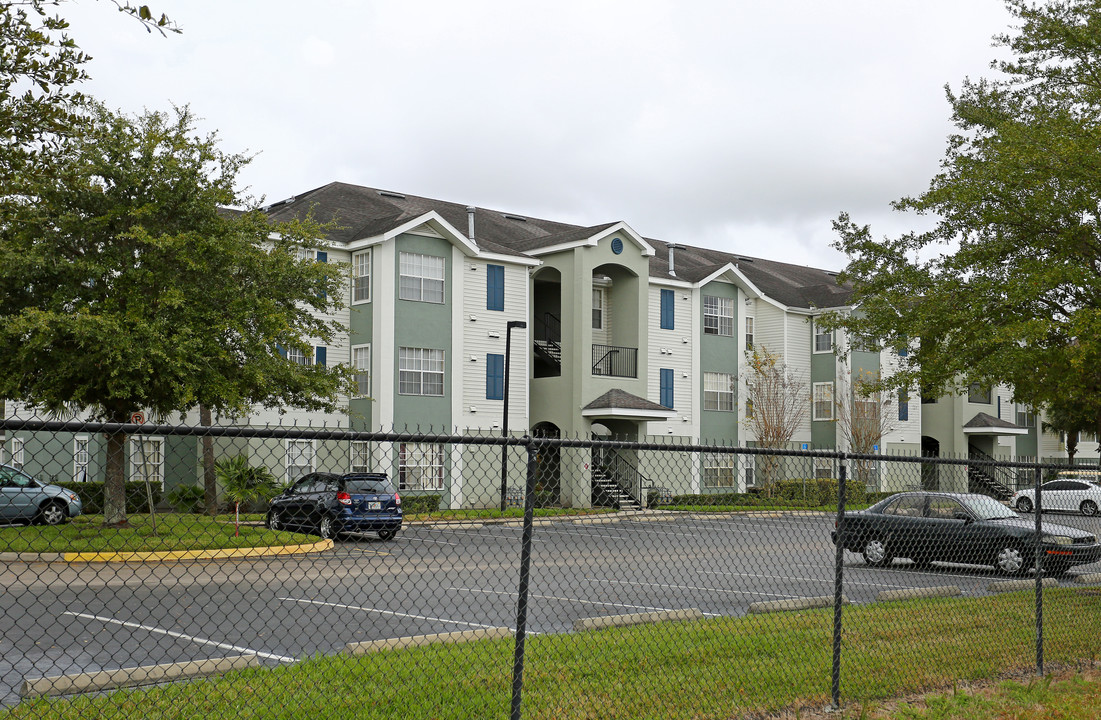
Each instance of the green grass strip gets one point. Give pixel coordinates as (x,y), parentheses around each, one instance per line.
(717,668)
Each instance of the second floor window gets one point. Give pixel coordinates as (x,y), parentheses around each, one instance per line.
(903,404)
(422,278)
(718,316)
(823,401)
(361,366)
(665,382)
(749,333)
(495,376)
(977,393)
(598,309)
(420,371)
(718,391)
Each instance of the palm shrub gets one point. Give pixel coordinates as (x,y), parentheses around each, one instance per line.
(243,483)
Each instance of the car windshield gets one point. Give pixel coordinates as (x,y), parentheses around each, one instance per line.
(987,508)
(368,485)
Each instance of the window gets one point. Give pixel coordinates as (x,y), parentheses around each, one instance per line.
(823,339)
(749,333)
(823,468)
(749,408)
(907,505)
(495,287)
(147,460)
(361,277)
(296,355)
(977,393)
(420,466)
(823,401)
(666,387)
(420,371)
(299,458)
(717,470)
(718,391)
(81,459)
(495,377)
(598,309)
(667,310)
(421,278)
(718,316)
(360,460)
(903,404)
(1025,416)
(17,453)
(361,367)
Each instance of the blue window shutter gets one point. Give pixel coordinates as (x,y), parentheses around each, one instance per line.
(495,376)
(281,350)
(903,405)
(495,287)
(667,387)
(667,310)
(320,355)
(322,256)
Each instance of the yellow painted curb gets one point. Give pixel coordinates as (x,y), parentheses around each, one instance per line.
(220,554)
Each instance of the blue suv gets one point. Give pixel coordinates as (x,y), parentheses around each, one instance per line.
(329,503)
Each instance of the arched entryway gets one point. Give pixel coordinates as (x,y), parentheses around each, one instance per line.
(548,467)
(930,472)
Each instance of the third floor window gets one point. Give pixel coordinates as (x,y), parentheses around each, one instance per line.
(422,278)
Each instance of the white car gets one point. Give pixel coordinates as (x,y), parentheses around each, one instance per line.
(1068,494)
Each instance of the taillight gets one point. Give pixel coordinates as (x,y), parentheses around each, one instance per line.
(397,499)
(344,498)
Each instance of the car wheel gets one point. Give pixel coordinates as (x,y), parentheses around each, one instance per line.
(1088,508)
(326,528)
(1010,560)
(275,520)
(387,535)
(1024,505)
(875,552)
(52,513)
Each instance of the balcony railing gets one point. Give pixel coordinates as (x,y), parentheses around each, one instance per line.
(614,361)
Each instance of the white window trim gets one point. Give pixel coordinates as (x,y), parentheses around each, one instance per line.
(295,355)
(815,402)
(312,458)
(82,450)
(421,273)
(361,450)
(720,315)
(17,459)
(823,333)
(433,469)
(140,464)
(420,370)
(723,463)
(359,352)
(749,333)
(718,395)
(357,268)
(598,309)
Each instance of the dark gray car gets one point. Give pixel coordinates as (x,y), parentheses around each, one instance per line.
(26,500)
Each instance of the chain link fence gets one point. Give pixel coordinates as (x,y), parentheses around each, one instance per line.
(241,572)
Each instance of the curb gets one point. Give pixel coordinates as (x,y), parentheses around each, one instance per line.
(169,555)
(130,677)
(1088,578)
(608,621)
(767,606)
(461,636)
(1011,585)
(915,593)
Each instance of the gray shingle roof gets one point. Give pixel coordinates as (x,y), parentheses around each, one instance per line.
(983,420)
(623,400)
(363,212)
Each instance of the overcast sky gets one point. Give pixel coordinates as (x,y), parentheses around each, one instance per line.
(744,125)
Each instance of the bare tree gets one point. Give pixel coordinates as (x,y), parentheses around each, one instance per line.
(863,413)
(777,403)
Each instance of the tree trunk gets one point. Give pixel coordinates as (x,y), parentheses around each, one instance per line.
(114,482)
(1072,446)
(210,484)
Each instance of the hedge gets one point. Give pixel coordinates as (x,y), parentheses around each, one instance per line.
(420,504)
(91,494)
(817,492)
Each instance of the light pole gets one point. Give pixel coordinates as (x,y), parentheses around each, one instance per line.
(504,417)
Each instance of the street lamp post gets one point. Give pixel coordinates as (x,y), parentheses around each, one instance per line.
(504,417)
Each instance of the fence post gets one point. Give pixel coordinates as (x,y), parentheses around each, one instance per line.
(838,578)
(1039,577)
(522,591)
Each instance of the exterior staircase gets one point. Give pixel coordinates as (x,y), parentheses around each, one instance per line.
(616,481)
(984,479)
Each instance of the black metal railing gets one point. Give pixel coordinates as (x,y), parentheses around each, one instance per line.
(615,361)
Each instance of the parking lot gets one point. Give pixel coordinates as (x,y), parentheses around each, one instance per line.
(61,619)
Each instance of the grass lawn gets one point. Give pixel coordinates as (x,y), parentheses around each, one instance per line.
(86,533)
(713,669)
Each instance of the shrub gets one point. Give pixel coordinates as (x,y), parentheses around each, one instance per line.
(420,504)
(91,495)
(187,499)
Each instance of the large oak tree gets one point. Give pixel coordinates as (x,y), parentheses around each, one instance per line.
(1006,287)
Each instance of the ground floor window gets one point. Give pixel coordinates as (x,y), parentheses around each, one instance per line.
(300,456)
(147,459)
(420,466)
(361,456)
(718,470)
(16,453)
(81,458)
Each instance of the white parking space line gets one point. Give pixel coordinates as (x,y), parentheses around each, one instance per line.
(431,542)
(643,528)
(182,636)
(690,587)
(575,600)
(386,612)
